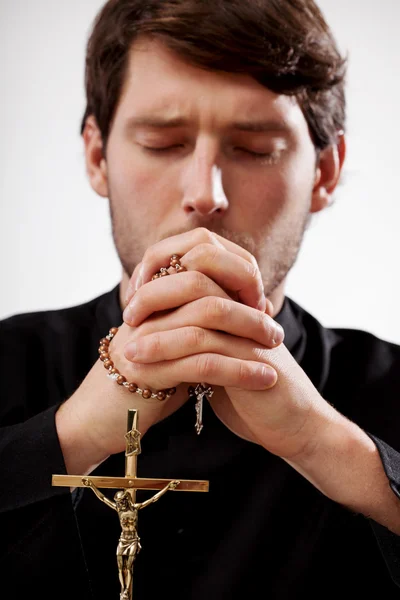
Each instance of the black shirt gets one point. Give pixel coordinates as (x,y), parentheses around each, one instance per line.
(261,531)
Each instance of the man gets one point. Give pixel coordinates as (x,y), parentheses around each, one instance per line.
(216,129)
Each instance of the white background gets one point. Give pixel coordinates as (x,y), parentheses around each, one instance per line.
(56,246)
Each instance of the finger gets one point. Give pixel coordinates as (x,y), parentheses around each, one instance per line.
(159,254)
(131,286)
(169,292)
(178,343)
(218,370)
(219,314)
(230,271)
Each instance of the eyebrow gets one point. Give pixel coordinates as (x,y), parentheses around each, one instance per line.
(261,126)
(171,123)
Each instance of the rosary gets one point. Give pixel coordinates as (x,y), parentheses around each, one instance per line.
(201,391)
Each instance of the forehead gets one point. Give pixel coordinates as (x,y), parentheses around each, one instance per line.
(160,83)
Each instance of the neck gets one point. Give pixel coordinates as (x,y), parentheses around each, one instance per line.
(277,297)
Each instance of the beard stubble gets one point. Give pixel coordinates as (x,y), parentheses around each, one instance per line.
(275,249)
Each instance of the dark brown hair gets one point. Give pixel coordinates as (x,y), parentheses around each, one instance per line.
(285,45)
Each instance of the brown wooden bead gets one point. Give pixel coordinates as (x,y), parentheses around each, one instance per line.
(174,261)
(105,357)
(164,273)
(181,269)
(156,276)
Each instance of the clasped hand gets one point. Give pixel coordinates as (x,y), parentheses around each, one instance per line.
(213,323)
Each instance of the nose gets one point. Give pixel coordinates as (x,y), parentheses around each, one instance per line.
(203,190)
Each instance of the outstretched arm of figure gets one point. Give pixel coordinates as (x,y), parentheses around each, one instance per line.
(171,486)
(89,483)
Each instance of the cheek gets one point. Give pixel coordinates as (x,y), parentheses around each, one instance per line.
(267,193)
(290,186)
(135,179)
(277,195)
(128,180)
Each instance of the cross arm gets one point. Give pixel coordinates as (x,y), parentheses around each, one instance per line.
(185,485)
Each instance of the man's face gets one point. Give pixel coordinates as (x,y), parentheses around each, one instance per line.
(190,148)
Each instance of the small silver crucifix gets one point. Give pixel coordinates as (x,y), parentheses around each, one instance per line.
(200,391)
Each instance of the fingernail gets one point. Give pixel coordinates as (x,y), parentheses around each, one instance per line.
(128,314)
(279,335)
(262,305)
(269,376)
(129,294)
(139,279)
(131,350)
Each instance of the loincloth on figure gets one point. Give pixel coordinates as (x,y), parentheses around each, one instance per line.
(128,547)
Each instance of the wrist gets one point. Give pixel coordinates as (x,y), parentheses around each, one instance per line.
(80,454)
(343,463)
(92,423)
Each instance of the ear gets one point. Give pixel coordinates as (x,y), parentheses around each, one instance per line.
(328,173)
(96,165)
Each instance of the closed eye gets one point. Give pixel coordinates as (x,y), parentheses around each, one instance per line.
(252,153)
(268,157)
(162,148)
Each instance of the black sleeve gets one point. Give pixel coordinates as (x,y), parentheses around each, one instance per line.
(391,463)
(42,363)
(389,542)
(39,535)
(30,454)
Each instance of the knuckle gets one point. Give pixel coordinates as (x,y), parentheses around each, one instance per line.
(149,255)
(254,275)
(206,251)
(196,337)
(267,325)
(254,262)
(152,346)
(197,281)
(212,253)
(251,259)
(217,309)
(207,366)
(259,354)
(204,234)
(244,373)
(148,327)
(253,272)
(260,321)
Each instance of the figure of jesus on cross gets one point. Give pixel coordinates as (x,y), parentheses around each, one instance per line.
(129,541)
(125,500)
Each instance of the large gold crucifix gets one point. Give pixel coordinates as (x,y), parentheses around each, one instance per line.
(125,500)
